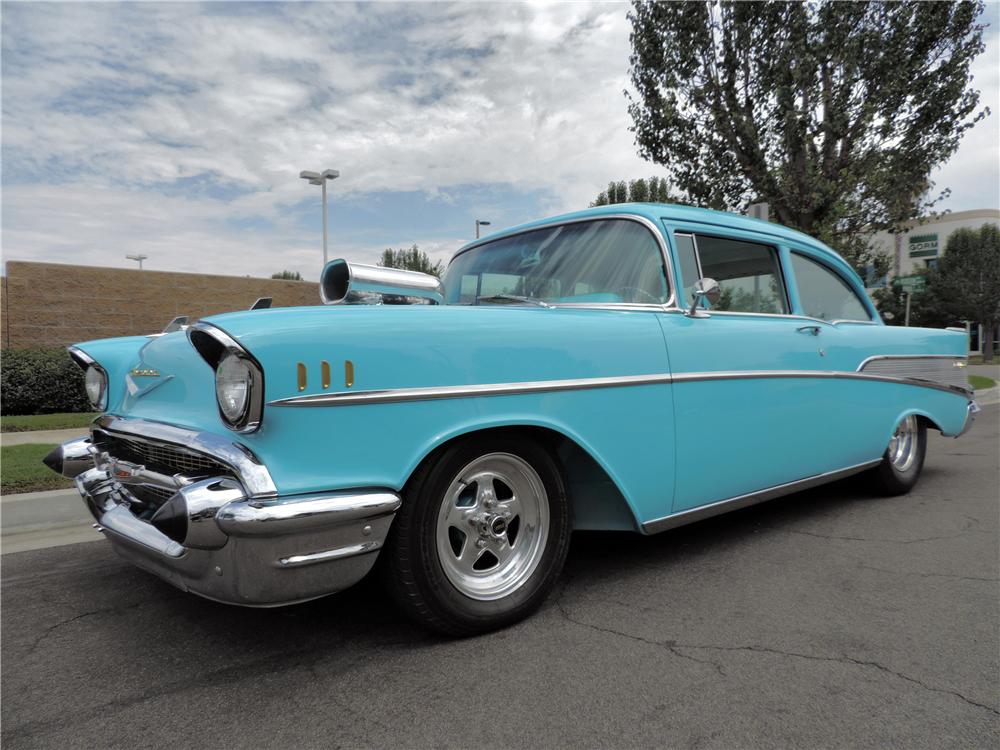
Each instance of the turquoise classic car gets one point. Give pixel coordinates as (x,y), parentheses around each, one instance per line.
(630,367)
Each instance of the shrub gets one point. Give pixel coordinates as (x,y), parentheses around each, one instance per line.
(41,381)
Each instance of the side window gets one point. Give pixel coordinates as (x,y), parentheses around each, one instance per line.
(824,294)
(748,273)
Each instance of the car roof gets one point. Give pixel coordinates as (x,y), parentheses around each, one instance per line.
(672,212)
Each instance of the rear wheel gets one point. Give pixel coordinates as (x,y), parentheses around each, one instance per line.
(903,459)
(481,537)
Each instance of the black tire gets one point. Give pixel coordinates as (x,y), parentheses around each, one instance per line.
(888,479)
(412,566)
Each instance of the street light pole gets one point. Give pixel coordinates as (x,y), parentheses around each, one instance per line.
(320,178)
(139,258)
(480,223)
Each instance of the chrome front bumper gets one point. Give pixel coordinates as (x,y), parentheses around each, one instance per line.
(213,538)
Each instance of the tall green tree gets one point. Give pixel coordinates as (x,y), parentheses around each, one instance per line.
(643,190)
(287,275)
(966,281)
(834,113)
(411,259)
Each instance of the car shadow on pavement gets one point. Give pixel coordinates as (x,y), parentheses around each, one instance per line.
(365,612)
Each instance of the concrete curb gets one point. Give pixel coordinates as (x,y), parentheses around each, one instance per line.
(988,396)
(32,520)
(41,436)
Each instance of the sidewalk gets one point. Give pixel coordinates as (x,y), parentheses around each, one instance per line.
(41,436)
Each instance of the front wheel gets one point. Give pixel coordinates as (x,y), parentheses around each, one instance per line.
(903,460)
(481,536)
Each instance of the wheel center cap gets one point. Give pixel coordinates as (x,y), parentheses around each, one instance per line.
(498,526)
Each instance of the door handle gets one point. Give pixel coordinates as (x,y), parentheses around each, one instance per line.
(814,330)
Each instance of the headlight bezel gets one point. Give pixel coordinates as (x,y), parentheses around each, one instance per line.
(88,364)
(101,402)
(215,345)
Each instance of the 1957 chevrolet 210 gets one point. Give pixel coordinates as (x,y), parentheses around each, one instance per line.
(635,366)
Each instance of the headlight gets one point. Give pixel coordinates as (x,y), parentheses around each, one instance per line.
(233,383)
(239,378)
(96,382)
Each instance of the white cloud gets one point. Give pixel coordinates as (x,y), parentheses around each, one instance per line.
(110,110)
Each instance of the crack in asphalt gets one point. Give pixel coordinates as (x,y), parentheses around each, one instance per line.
(303,657)
(967,528)
(672,646)
(92,613)
(921,574)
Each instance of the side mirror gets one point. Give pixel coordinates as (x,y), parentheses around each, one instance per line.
(704,290)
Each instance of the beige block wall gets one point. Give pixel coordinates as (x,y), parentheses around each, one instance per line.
(49,304)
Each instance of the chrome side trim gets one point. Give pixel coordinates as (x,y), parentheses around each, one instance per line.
(338,553)
(671,302)
(817,374)
(253,475)
(752,498)
(933,368)
(864,362)
(393,395)
(467,391)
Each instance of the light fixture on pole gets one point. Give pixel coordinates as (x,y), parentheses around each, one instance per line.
(320,178)
(139,258)
(480,223)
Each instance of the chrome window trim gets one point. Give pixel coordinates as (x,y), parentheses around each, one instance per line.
(252,474)
(702,512)
(651,226)
(431,393)
(250,421)
(775,256)
(694,241)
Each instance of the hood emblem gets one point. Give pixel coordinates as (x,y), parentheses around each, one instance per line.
(144,372)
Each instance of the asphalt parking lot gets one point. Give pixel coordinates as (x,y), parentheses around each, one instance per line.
(830,618)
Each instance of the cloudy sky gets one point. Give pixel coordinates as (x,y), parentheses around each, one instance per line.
(178,130)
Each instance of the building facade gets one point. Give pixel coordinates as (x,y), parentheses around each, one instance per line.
(922,244)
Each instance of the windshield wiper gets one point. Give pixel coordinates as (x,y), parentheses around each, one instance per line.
(508,298)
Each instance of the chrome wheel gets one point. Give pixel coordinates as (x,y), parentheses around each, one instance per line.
(492,526)
(903,445)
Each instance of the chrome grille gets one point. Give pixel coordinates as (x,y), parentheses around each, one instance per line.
(944,370)
(167,459)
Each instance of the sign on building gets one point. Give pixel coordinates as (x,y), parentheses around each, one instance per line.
(923,246)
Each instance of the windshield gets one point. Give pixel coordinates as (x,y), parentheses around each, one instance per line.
(612,260)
